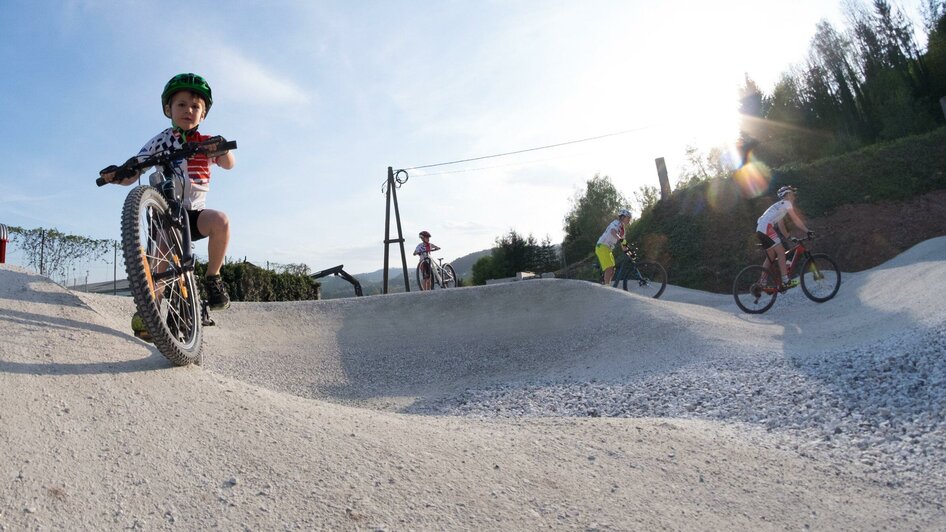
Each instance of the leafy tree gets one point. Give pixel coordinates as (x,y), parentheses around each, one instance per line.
(483,270)
(514,254)
(52,253)
(935,57)
(592,210)
(699,167)
(646,197)
(548,256)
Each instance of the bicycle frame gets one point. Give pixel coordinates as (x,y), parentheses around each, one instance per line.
(437,271)
(629,264)
(799,251)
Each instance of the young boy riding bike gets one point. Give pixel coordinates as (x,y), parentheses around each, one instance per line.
(771,231)
(186,99)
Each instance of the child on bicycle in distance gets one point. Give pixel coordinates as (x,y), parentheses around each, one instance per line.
(612,234)
(186,99)
(423,251)
(771,231)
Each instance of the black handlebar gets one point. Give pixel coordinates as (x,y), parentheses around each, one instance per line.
(133,165)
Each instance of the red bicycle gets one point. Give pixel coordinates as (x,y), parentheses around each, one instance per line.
(756,287)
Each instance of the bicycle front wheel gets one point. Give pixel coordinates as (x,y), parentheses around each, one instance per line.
(755,289)
(449,276)
(164,289)
(421,266)
(820,278)
(647,278)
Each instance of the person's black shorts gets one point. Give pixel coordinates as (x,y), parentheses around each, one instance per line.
(195,233)
(768,243)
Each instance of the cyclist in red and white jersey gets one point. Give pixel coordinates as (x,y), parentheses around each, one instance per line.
(771,231)
(423,251)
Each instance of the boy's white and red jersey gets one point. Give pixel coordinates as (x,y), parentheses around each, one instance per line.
(423,249)
(773,215)
(196,169)
(607,238)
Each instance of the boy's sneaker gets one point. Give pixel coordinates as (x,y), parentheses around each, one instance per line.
(139,328)
(217,297)
(792,283)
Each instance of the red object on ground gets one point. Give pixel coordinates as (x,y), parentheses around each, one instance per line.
(3,243)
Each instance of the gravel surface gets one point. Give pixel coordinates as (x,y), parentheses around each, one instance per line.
(539,404)
(880,404)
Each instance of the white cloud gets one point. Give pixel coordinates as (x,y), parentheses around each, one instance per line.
(249,82)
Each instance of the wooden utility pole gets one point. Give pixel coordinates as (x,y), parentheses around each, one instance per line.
(394,181)
(664,180)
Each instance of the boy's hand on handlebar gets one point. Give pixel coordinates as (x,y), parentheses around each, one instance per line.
(214,146)
(112,173)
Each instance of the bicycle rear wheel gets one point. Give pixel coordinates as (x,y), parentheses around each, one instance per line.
(449,276)
(755,289)
(647,278)
(820,278)
(420,274)
(164,289)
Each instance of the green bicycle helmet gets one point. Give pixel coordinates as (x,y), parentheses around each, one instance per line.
(186,82)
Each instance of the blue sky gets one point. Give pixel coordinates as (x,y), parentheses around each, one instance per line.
(323,96)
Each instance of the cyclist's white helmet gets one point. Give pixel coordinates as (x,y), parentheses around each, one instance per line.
(785,190)
(625,213)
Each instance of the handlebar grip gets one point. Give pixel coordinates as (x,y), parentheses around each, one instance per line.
(230,145)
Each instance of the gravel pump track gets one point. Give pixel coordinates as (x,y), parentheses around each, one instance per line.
(164,289)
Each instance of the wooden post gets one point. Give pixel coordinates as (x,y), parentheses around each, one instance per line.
(392,197)
(664,180)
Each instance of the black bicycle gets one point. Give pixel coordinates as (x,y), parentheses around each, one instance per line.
(156,246)
(645,277)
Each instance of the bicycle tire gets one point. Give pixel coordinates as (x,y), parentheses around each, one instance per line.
(449,276)
(420,274)
(747,282)
(820,277)
(652,280)
(150,243)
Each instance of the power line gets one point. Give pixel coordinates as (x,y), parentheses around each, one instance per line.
(626,131)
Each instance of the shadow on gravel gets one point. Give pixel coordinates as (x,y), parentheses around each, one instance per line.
(42,294)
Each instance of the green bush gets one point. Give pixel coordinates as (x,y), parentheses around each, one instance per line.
(248,282)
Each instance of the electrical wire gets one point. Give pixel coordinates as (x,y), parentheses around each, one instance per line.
(626,131)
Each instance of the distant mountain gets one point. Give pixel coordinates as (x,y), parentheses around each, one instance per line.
(373,282)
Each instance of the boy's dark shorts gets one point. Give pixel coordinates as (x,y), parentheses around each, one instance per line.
(768,243)
(192,218)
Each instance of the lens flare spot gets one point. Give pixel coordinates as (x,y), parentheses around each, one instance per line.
(753,178)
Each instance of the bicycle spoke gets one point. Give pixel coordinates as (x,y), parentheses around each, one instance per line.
(754,290)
